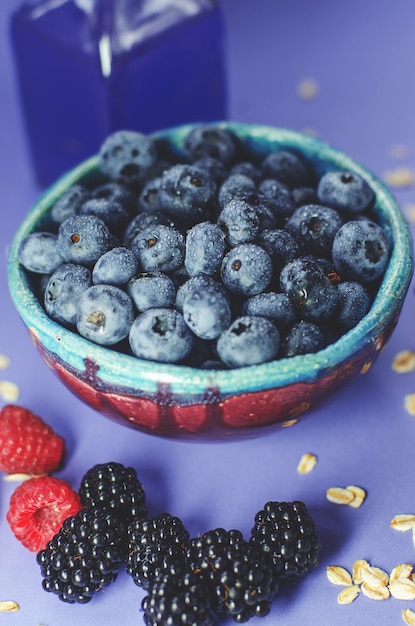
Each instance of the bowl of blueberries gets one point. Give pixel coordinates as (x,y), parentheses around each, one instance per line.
(211,280)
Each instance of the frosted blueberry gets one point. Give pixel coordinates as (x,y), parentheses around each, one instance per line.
(159,248)
(196,282)
(276,307)
(361,251)
(249,340)
(246,269)
(305,283)
(127,156)
(205,249)
(288,167)
(142,221)
(151,290)
(161,335)
(38,252)
(314,227)
(207,312)
(63,290)
(354,303)
(114,214)
(235,185)
(186,192)
(115,267)
(212,141)
(105,314)
(345,191)
(83,239)
(69,203)
(239,220)
(303,338)
(280,196)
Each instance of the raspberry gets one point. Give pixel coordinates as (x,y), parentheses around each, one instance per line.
(27,444)
(116,487)
(84,556)
(155,545)
(38,508)
(286,532)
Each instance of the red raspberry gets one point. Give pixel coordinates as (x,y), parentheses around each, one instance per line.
(27,444)
(38,508)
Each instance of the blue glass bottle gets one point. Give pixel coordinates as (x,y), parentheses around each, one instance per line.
(87,68)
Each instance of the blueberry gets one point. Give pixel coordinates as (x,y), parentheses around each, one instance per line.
(304,195)
(280,245)
(246,269)
(207,312)
(310,289)
(280,196)
(186,192)
(205,249)
(116,192)
(142,221)
(361,251)
(115,267)
(127,156)
(159,248)
(114,214)
(63,291)
(354,303)
(212,141)
(148,200)
(235,185)
(314,227)
(288,167)
(214,167)
(303,338)
(69,203)
(277,307)
(239,220)
(247,169)
(249,340)
(83,239)
(38,252)
(161,335)
(196,282)
(151,290)
(345,191)
(105,314)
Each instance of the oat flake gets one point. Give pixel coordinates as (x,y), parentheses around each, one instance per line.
(339,575)
(348,594)
(409,403)
(375,593)
(307,89)
(403,570)
(404,362)
(402,589)
(307,463)
(400,177)
(408,617)
(359,496)
(403,522)
(9,392)
(358,567)
(340,495)
(4,362)
(8,605)
(375,577)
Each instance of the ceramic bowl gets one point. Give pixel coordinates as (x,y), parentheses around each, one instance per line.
(185,402)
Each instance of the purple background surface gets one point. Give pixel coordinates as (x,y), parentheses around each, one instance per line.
(362,56)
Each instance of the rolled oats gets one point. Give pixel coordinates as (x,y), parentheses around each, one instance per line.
(348,594)
(375,593)
(340,495)
(338,575)
(357,572)
(402,589)
(404,362)
(307,463)
(408,617)
(403,522)
(8,605)
(403,570)
(359,496)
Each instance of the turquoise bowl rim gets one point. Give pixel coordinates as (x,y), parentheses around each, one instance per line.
(132,373)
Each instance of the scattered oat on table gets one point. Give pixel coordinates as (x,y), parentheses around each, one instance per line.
(400,177)
(8,605)
(409,403)
(408,617)
(403,570)
(339,575)
(348,594)
(4,362)
(403,522)
(357,573)
(409,210)
(11,478)
(352,495)
(307,463)
(402,589)
(404,362)
(399,151)
(9,392)
(308,89)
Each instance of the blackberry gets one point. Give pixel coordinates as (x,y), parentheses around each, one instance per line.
(84,556)
(116,487)
(154,546)
(285,531)
(239,577)
(177,599)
